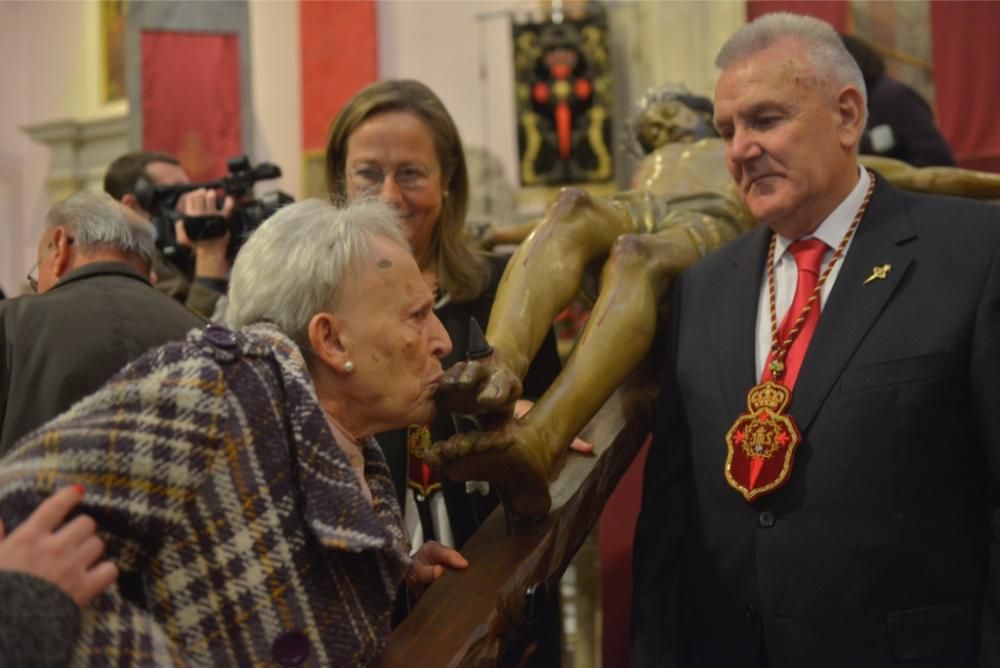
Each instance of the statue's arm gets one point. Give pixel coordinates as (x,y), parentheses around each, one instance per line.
(941,180)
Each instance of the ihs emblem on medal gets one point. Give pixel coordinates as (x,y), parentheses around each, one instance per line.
(761,443)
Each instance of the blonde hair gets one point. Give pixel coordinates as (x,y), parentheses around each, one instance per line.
(461,269)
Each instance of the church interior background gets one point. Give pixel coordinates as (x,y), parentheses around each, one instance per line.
(85,83)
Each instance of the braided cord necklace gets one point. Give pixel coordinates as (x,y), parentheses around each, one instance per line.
(761,443)
(779,349)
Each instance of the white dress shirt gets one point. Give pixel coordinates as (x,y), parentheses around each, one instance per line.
(831,231)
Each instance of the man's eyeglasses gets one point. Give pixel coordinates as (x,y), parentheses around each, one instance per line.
(33,272)
(33,277)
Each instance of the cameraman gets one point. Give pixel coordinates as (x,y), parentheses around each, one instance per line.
(132,179)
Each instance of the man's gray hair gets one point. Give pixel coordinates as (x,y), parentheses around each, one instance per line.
(97,222)
(830,59)
(295,264)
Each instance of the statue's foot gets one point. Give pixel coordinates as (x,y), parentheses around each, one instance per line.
(511,459)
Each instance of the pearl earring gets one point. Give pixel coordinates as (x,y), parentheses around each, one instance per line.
(349,366)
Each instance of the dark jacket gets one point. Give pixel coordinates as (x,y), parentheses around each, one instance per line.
(914,133)
(38,623)
(883,548)
(199,294)
(58,347)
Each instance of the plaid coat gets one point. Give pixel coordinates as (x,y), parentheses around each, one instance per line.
(211,470)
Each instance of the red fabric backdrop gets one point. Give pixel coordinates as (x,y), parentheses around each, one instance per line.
(191,99)
(966,54)
(339,42)
(615,535)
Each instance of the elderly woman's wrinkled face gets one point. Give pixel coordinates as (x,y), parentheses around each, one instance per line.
(394,340)
(392,155)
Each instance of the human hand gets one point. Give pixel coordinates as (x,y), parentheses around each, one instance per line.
(210,254)
(67,556)
(429,563)
(203,202)
(478,387)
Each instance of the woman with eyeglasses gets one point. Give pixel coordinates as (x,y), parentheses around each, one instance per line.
(395,140)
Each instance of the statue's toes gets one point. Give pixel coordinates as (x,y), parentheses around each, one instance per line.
(432,456)
(494,443)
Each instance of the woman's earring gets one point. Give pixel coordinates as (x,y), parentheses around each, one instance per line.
(348,366)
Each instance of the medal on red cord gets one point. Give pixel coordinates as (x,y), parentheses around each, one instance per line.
(761,444)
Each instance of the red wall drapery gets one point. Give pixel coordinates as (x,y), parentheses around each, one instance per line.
(191,99)
(339,43)
(615,534)
(966,53)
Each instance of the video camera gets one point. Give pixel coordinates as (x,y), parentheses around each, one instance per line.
(248,214)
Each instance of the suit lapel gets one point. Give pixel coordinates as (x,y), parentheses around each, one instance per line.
(736,320)
(853,305)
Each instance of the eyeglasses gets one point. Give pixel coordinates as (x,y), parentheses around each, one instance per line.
(412,178)
(33,272)
(33,277)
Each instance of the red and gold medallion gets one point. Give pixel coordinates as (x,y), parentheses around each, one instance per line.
(761,443)
(422,479)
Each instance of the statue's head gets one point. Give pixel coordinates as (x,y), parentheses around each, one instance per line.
(671,114)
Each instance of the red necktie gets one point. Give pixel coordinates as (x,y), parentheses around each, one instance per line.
(808,255)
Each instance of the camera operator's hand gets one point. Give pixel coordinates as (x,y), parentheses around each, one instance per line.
(209,254)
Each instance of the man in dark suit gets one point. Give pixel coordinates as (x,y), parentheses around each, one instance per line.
(826,459)
(97,312)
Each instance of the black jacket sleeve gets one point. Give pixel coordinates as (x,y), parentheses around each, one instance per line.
(38,622)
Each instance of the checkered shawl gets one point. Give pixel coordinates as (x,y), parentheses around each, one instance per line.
(213,475)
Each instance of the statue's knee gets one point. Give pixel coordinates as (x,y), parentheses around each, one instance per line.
(630,250)
(570,201)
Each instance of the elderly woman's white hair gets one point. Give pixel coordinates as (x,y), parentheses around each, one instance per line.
(95,221)
(828,55)
(295,264)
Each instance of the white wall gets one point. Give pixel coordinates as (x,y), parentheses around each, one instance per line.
(277,91)
(462,51)
(50,54)
(677,41)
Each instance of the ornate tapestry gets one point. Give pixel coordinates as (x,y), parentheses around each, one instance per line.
(563,100)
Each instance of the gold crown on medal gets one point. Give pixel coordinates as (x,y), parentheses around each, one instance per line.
(769,395)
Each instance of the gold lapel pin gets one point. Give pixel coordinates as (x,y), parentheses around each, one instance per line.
(879,273)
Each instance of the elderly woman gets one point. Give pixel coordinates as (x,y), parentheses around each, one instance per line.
(234,475)
(396,140)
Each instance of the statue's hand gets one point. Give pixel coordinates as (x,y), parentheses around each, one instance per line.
(510,457)
(456,455)
(478,387)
